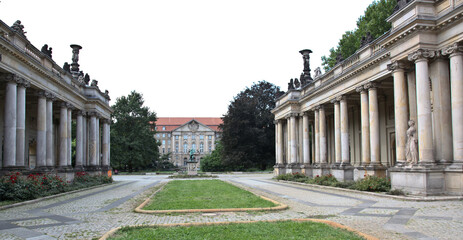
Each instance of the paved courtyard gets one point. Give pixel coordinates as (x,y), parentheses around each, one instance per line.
(89,214)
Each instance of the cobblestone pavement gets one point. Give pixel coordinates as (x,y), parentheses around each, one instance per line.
(89,214)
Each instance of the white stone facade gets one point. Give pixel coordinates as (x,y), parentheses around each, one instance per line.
(353,119)
(39,101)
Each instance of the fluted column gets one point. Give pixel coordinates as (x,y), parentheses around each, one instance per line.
(345,159)
(322,133)
(98,142)
(92,140)
(305,139)
(104,145)
(317,135)
(9,122)
(69,135)
(79,140)
(49,156)
(456,83)
(400,109)
(337,132)
(63,133)
(425,143)
(375,154)
(41,130)
(365,119)
(293,140)
(280,141)
(21,122)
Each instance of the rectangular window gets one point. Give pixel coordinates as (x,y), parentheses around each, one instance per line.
(163,135)
(168,150)
(209,137)
(176,137)
(163,142)
(163,128)
(201,137)
(168,142)
(163,150)
(168,135)
(185,137)
(193,137)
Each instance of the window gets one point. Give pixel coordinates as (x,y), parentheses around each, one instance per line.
(163,128)
(185,147)
(201,147)
(209,137)
(168,135)
(193,147)
(163,150)
(163,135)
(176,148)
(209,147)
(168,150)
(157,135)
(169,142)
(193,137)
(163,142)
(176,137)
(185,137)
(201,137)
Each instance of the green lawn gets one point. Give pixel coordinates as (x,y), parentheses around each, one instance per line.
(204,194)
(239,231)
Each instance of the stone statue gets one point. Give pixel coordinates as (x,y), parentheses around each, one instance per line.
(94,83)
(86,79)
(67,67)
(80,78)
(401,4)
(290,85)
(297,84)
(75,55)
(318,72)
(411,149)
(302,79)
(18,27)
(47,51)
(192,152)
(339,58)
(306,58)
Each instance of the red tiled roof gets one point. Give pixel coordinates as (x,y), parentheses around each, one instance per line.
(172,123)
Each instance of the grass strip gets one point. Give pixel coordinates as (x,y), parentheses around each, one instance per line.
(254,230)
(204,194)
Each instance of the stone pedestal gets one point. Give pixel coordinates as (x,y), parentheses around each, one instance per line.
(293,168)
(191,168)
(321,170)
(372,170)
(343,173)
(418,180)
(454,180)
(66,175)
(279,169)
(306,169)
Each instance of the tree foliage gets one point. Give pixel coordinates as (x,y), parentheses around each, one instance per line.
(213,162)
(373,21)
(248,137)
(133,145)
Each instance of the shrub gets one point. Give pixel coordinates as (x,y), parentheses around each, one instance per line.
(373,184)
(396,192)
(296,177)
(326,180)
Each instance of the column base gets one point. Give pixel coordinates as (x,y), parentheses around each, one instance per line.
(66,174)
(418,180)
(343,173)
(306,169)
(454,180)
(279,169)
(293,168)
(321,170)
(371,170)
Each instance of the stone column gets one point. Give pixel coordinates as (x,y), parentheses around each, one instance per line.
(9,142)
(69,139)
(85,139)
(63,133)
(344,132)
(280,141)
(105,143)
(41,131)
(21,123)
(322,132)
(317,135)
(98,142)
(400,109)
(49,117)
(375,154)
(411,83)
(337,132)
(305,139)
(365,119)
(277,148)
(79,140)
(424,128)
(293,139)
(92,140)
(456,82)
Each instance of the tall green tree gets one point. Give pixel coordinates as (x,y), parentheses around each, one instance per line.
(248,137)
(133,146)
(373,21)
(213,162)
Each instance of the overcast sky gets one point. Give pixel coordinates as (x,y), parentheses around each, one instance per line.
(188,58)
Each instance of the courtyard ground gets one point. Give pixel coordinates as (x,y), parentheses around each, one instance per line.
(91,213)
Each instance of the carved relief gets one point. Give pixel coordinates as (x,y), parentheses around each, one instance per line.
(421,54)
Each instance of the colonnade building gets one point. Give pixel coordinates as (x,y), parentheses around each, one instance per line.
(40,101)
(394,108)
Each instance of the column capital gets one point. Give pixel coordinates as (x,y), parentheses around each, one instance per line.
(291,115)
(421,55)
(397,66)
(70,106)
(341,98)
(11,77)
(50,96)
(370,85)
(80,112)
(106,121)
(23,83)
(41,93)
(360,89)
(334,100)
(93,114)
(452,50)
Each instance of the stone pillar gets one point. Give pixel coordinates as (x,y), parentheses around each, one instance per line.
(306,140)
(456,82)
(411,82)
(9,147)
(79,140)
(424,125)
(85,139)
(21,123)
(365,119)
(375,154)
(41,131)
(280,142)
(63,133)
(400,109)
(92,140)
(322,133)
(98,142)
(337,132)
(293,139)
(105,144)
(317,135)
(344,132)
(69,135)
(49,117)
